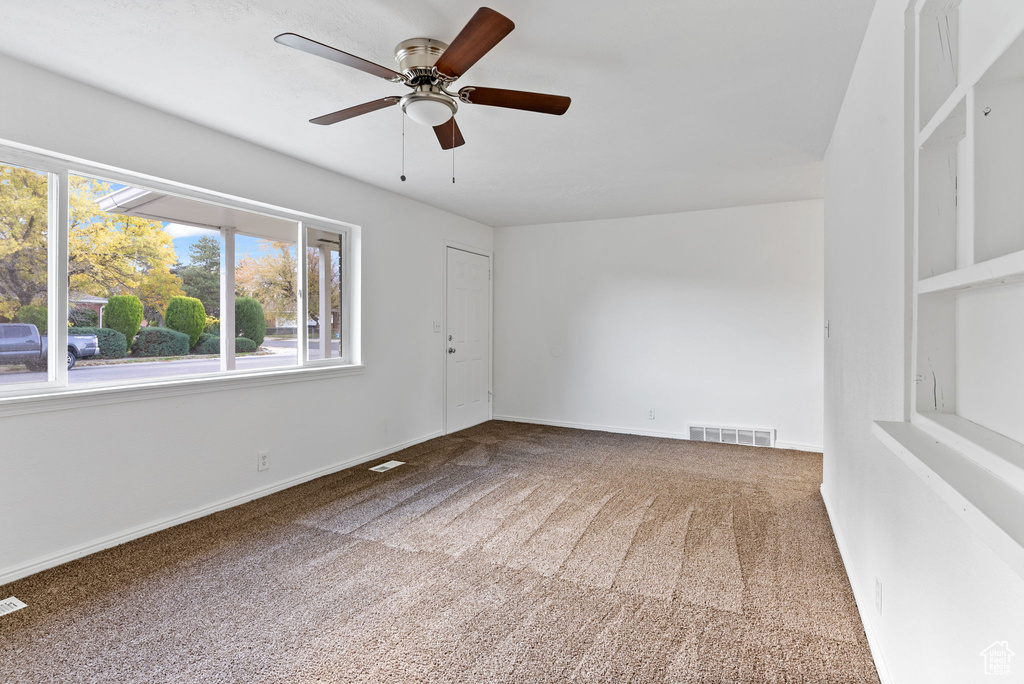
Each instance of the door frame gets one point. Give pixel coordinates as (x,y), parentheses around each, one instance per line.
(462,247)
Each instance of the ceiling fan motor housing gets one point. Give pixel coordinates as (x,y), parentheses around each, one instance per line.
(417,56)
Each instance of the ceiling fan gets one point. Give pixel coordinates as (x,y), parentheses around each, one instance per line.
(430,67)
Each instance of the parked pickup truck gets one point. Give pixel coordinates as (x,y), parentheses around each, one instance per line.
(21,343)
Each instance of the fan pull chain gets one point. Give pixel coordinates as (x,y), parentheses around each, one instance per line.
(403,147)
(453,150)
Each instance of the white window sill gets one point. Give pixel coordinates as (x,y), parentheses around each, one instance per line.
(63,398)
(990,505)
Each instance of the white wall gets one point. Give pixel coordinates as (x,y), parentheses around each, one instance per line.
(946,595)
(72,478)
(711,316)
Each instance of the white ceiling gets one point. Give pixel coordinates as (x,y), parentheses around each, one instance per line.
(677,104)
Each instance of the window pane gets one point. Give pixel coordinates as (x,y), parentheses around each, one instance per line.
(266,274)
(140,264)
(323,267)
(24,226)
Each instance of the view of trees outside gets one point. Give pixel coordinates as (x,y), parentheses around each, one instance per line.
(313,267)
(266,271)
(24,202)
(114,255)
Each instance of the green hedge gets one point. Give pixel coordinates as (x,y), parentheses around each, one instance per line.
(244,345)
(113,344)
(250,320)
(33,315)
(123,313)
(210,344)
(154,341)
(81,317)
(186,315)
(207,344)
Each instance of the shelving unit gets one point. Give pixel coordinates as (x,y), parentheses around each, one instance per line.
(967,380)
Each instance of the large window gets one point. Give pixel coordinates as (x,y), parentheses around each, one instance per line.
(148,283)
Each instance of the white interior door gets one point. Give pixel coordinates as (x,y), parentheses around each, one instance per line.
(468,348)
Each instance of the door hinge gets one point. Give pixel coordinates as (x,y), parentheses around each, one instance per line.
(489,395)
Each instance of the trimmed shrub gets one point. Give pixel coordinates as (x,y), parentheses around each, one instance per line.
(123,313)
(186,315)
(153,341)
(244,345)
(113,344)
(212,325)
(33,315)
(81,317)
(207,344)
(250,321)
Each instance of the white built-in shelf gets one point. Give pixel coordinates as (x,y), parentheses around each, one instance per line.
(1001,456)
(994,272)
(989,505)
(946,119)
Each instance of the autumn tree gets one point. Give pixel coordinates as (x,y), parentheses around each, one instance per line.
(108,254)
(313,280)
(23,233)
(270,279)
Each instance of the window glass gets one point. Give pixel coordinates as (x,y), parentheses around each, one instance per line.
(266,284)
(24,271)
(148,279)
(323,304)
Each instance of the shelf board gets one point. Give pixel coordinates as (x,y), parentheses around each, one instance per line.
(999,271)
(946,119)
(986,503)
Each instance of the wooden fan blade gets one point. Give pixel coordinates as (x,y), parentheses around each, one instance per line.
(449,135)
(351,112)
(516,99)
(483,32)
(298,42)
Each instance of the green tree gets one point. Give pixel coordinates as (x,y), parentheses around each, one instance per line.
(250,320)
(35,315)
(201,276)
(186,315)
(123,313)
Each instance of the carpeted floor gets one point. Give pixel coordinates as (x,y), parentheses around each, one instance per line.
(504,553)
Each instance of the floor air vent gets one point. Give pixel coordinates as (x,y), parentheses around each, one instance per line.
(724,435)
(9,605)
(386,466)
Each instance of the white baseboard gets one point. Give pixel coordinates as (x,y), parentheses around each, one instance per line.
(635,431)
(864,602)
(19,571)
(799,447)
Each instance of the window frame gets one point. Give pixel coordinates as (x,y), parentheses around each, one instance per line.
(43,396)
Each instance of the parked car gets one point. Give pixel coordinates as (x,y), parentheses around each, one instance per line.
(21,343)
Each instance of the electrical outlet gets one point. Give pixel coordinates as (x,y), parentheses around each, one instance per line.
(878,595)
(262,460)
(437,326)
(650,414)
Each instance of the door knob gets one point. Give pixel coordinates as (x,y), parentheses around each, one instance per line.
(451,350)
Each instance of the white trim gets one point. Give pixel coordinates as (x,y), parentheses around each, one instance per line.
(987,503)
(53,560)
(643,433)
(796,446)
(61,399)
(859,597)
(479,251)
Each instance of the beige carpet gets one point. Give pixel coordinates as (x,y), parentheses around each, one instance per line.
(505,553)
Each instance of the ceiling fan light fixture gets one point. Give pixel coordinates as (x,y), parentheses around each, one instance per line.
(428,108)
